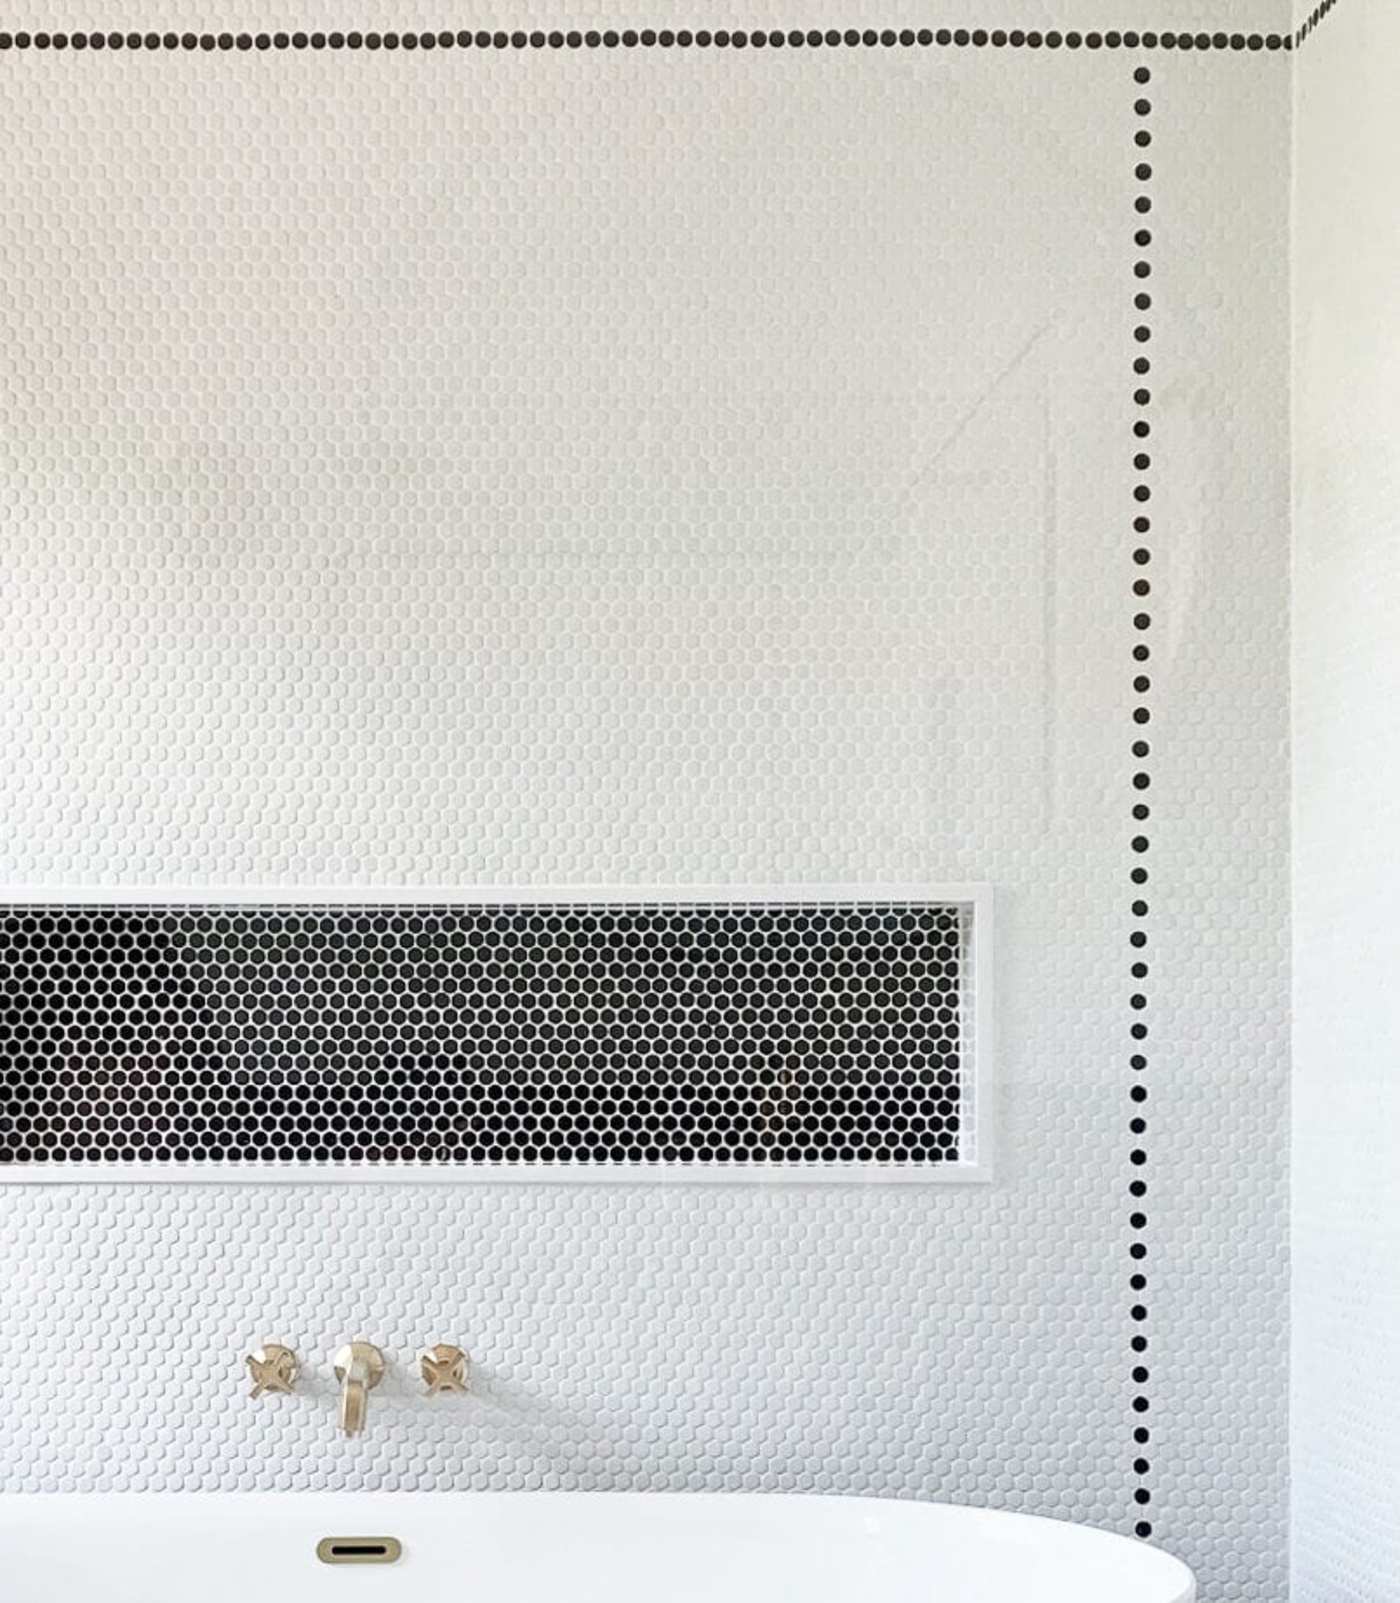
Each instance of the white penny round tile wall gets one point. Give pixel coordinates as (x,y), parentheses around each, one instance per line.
(680,463)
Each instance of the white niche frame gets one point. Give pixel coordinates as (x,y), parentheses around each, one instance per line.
(978,1025)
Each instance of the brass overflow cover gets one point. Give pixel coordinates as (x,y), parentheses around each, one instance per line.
(359,1550)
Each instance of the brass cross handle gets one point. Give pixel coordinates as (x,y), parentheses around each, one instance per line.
(444,1369)
(273,1368)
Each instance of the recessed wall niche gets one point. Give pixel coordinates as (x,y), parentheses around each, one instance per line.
(811,1034)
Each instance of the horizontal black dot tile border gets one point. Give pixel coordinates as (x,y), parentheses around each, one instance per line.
(666,38)
(580,1034)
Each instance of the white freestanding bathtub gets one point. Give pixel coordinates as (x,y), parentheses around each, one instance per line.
(564,1547)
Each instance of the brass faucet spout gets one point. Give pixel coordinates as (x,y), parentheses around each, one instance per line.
(359,1368)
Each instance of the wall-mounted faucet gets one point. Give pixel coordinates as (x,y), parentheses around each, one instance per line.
(359,1368)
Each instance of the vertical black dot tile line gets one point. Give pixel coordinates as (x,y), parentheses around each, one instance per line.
(1139,288)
